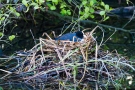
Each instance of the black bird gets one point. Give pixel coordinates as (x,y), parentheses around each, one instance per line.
(76,36)
(1,53)
(123,12)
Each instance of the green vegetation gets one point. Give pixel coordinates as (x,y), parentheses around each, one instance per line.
(64,65)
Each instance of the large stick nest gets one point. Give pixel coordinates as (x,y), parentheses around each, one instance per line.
(55,62)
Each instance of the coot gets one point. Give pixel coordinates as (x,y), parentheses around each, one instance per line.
(76,36)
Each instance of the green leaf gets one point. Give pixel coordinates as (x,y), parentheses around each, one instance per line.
(55,1)
(12,9)
(1,34)
(33,4)
(106,7)
(91,2)
(127,1)
(102,13)
(41,1)
(63,12)
(25,2)
(11,37)
(1,88)
(81,13)
(70,1)
(92,16)
(53,8)
(8,1)
(86,15)
(62,5)
(3,18)
(106,18)
(17,14)
(75,70)
(87,9)
(68,12)
(102,4)
(37,1)
(92,10)
(36,7)
(84,2)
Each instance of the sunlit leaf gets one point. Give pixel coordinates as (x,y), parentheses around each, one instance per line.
(55,1)
(1,88)
(86,15)
(8,1)
(63,11)
(92,10)
(91,2)
(36,7)
(106,18)
(11,37)
(106,7)
(17,14)
(102,13)
(25,2)
(102,3)
(3,18)
(53,8)
(1,34)
(75,71)
(84,2)
(11,9)
(41,1)
(68,12)
(62,5)
(87,9)
(92,16)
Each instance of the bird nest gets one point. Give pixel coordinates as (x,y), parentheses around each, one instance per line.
(67,64)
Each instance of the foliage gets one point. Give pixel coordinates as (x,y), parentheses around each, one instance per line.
(1,88)
(70,66)
(13,9)
(11,37)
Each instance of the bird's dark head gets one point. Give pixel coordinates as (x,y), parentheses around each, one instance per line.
(79,34)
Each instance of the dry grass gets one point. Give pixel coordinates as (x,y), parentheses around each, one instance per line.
(69,65)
